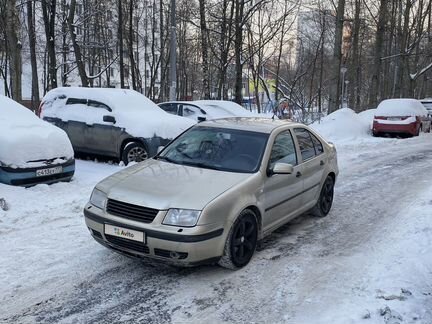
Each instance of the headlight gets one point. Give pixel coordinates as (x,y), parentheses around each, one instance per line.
(98,198)
(182,217)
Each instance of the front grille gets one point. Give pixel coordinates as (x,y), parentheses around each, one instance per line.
(127,244)
(167,254)
(130,211)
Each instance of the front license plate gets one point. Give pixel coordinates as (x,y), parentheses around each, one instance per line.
(393,118)
(124,233)
(49,171)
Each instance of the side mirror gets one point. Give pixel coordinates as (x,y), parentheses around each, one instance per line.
(201,119)
(282,168)
(159,149)
(109,119)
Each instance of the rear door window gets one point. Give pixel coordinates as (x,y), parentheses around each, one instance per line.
(306,143)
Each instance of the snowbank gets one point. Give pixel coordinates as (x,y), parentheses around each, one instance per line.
(24,137)
(401,107)
(344,125)
(132,110)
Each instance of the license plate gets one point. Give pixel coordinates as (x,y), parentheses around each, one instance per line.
(124,233)
(393,118)
(49,171)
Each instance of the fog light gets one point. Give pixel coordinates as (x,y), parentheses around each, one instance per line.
(174,255)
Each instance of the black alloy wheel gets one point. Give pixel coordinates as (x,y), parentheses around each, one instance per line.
(241,242)
(325,200)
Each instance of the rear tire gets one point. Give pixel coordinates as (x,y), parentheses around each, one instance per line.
(241,241)
(325,200)
(134,152)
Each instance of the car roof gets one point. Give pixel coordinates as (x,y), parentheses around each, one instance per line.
(254,124)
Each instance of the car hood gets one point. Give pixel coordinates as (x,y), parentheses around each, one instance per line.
(163,185)
(25,139)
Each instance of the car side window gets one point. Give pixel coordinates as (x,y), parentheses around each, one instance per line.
(283,150)
(189,110)
(317,143)
(87,102)
(305,142)
(170,108)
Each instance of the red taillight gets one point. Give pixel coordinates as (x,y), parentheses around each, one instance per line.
(39,111)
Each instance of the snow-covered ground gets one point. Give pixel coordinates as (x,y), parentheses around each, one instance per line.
(368,261)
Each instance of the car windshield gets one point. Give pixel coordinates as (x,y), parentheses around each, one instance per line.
(217,148)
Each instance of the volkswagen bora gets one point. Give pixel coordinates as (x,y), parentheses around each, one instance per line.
(215,191)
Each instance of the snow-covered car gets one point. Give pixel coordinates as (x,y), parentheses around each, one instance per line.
(201,110)
(400,116)
(32,151)
(427,103)
(214,191)
(118,123)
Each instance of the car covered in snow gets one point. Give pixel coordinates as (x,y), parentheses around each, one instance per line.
(427,103)
(214,191)
(200,110)
(32,151)
(400,116)
(118,123)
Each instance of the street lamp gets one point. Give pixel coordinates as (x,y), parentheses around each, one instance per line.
(346,94)
(343,71)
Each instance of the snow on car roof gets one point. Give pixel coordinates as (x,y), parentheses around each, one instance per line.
(24,137)
(400,107)
(133,111)
(254,124)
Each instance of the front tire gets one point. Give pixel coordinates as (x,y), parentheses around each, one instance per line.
(325,200)
(134,152)
(241,242)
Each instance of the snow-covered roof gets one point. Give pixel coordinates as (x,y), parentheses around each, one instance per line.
(133,111)
(400,107)
(24,137)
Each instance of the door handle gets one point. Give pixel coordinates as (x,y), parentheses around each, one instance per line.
(298,174)
(322,162)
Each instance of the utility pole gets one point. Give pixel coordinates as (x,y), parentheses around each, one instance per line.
(173,72)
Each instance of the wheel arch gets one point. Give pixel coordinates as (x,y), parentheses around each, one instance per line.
(258,215)
(131,140)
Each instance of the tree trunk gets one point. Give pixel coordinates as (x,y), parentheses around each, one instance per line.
(204,50)
(120,40)
(130,46)
(355,69)
(335,91)
(238,41)
(14,45)
(375,89)
(33,61)
(49,15)
(77,50)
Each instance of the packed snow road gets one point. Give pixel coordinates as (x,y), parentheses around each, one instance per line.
(368,261)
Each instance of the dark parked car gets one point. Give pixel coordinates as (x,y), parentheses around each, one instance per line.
(31,151)
(117,123)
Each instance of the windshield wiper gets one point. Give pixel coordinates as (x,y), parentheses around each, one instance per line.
(202,165)
(165,158)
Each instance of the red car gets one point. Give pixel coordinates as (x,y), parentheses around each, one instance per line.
(400,116)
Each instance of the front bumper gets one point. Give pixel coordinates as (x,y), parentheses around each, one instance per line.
(27,176)
(186,247)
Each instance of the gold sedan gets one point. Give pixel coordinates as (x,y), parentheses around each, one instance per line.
(214,191)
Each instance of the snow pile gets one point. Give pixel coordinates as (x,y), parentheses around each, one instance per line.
(24,137)
(132,111)
(401,107)
(344,125)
